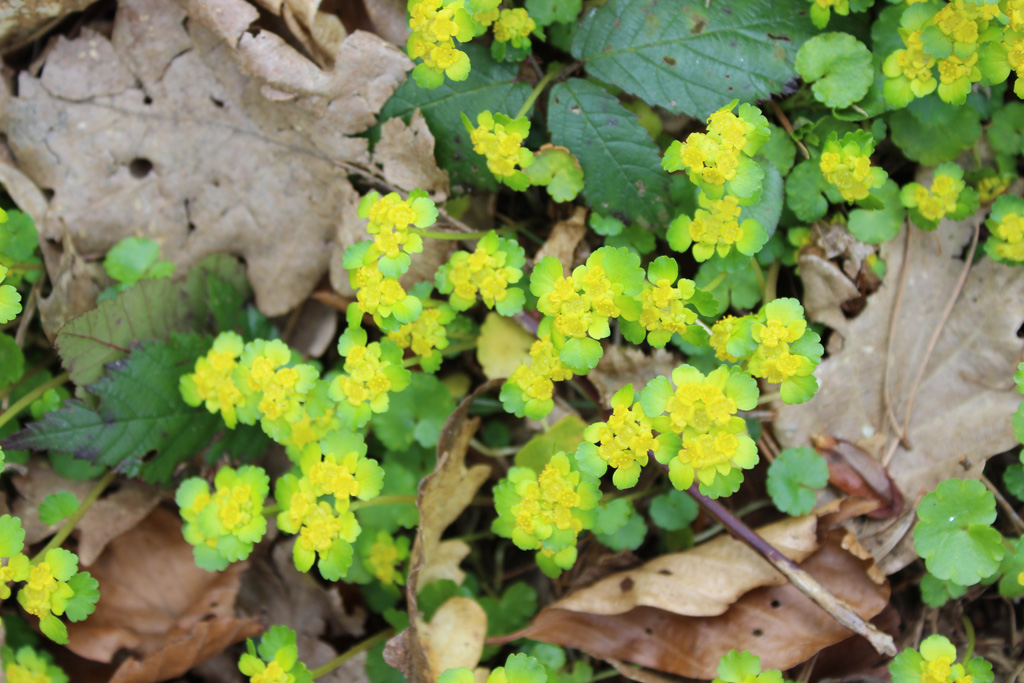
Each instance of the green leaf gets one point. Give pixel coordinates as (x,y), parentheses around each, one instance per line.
(12,536)
(627,535)
(838,65)
(673,510)
(513,611)
(875,226)
(19,245)
(768,209)
(151,310)
(491,86)
(546,12)
(935,592)
(621,164)
(128,260)
(564,436)
(1013,564)
(1018,422)
(558,170)
(805,191)
(1013,479)
(691,56)
(140,411)
(793,478)
(57,507)
(931,131)
(1006,134)
(780,149)
(87,593)
(12,360)
(954,535)
(415,414)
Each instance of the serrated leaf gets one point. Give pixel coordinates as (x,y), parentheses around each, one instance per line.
(793,478)
(140,411)
(875,226)
(491,86)
(931,131)
(415,414)
(805,191)
(12,360)
(128,260)
(87,593)
(546,12)
(954,535)
(57,507)
(1006,133)
(619,527)
(621,164)
(1013,479)
(691,56)
(839,66)
(673,510)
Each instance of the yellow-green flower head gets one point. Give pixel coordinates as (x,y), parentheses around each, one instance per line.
(324,530)
(719,160)
(12,541)
(371,371)
(787,351)
(519,668)
(702,410)
(55,587)
(846,164)
(212,382)
(716,228)
(621,443)
(28,665)
(730,338)
(514,26)
(488,271)
(10,300)
(909,72)
(381,296)
(383,558)
(230,518)
(956,75)
(821,10)
(1013,43)
(530,389)
(274,388)
(666,305)
(1014,11)
(435,26)
(500,139)
(390,218)
(337,466)
(580,305)
(275,660)
(308,429)
(1006,225)
(948,196)
(935,662)
(426,336)
(546,511)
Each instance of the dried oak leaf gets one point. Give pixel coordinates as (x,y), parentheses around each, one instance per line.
(564,237)
(187,128)
(455,635)
(623,365)
(107,518)
(776,622)
(25,20)
(158,605)
(961,410)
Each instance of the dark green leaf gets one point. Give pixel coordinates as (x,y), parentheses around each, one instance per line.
(140,411)
(793,478)
(691,56)
(673,510)
(621,165)
(415,414)
(491,86)
(838,65)
(875,226)
(931,131)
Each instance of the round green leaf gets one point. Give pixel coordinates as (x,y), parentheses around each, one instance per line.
(838,65)
(793,478)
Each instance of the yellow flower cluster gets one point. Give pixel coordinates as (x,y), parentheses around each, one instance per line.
(1010,230)
(914,64)
(664,306)
(714,156)
(426,336)
(722,332)
(258,382)
(385,558)
(575,303)
(939,199)
(499,139)
(718,223)
(435,26)
(622,442)
(849,171)
(390,218)
(514,25)
(533,384)
(773,360)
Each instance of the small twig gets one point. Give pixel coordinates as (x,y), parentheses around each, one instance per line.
(1015,520)
(28,313)
(909,409)
(787,126)
(352,652)
(893,317)
(76,517)
(807,584)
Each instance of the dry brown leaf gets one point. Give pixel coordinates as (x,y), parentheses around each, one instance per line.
(166,131)
(158,605)
(454,637)
(826,289)
(22,21)
(961,413)
(390,19)
(703,581)
(405,155)
(622,365)
(564,238)
(503,345)
(778,623)
(107,518)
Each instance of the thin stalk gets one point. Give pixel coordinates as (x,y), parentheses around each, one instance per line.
(438,235)
(26,400)
(554,73)
(381,500)
(710,287)
(413,361)
(71,522)
(969,632)
(758,273)
(351,652)
(808,585)
(6,391)
(771,282)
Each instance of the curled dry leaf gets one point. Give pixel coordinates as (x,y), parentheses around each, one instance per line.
(25,20)
(853,471)
(624,365)
(776,622)
(187,128)
(826,289)
(961,410)
(405,155)
(158,605)
(443,495)
(564,238)
(107,518)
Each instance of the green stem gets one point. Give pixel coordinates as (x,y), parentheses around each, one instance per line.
(381,500)
(271,510)
(555,72)
(26,400)
(771,282)
(455,236)
(969,632)
(631,496)
(604,675)
(710,287)
(76,517)
(352,652)
(758,273)
(25,266)
(413,361)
